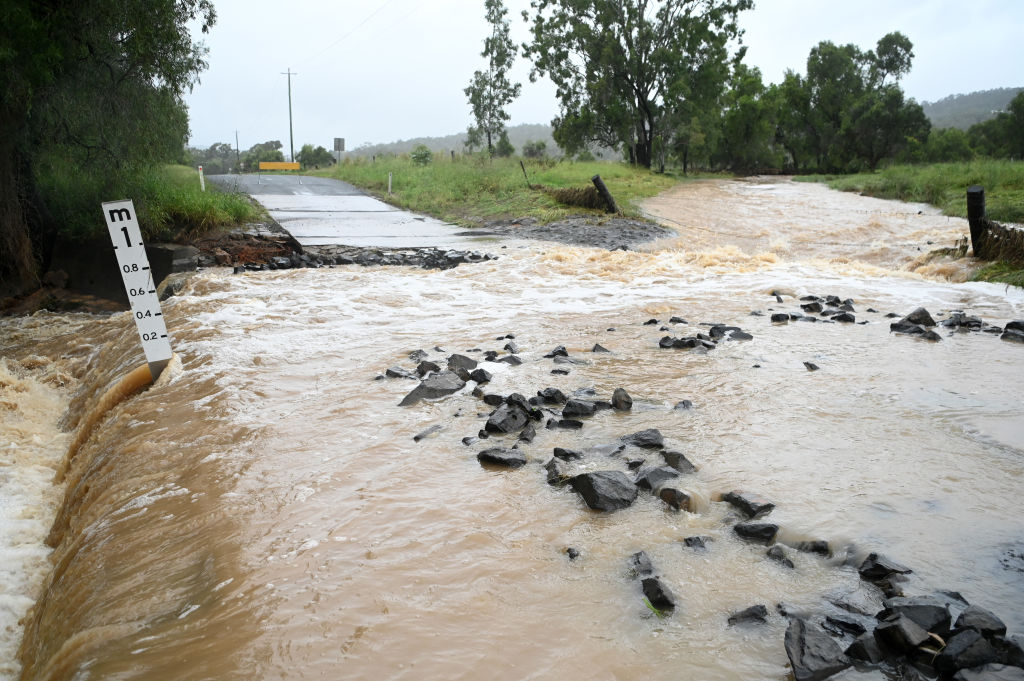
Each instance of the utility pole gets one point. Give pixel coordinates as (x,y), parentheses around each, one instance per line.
(238,155)
(291,136)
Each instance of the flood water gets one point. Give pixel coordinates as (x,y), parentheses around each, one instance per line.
(263,511)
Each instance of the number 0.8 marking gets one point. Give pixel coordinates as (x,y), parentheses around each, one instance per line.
(134,267)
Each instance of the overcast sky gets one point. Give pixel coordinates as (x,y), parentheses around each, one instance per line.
(382,70)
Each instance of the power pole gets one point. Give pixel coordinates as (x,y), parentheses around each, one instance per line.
(291,136)
(238,154)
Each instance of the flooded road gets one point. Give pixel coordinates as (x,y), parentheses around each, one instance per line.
(264,511)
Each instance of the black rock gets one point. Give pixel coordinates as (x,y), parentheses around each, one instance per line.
(640,565)
(499,456)
(696,542)
(645,439)
(528,433)
(1013,336)
(512,360)
(468,440)
(1015,325)
(559,351)
(574,408)
(755,614)
(749,504)
(493,400)
(520,402)
(818,546)
(605,490)
(977,617)
(812,654)
(512,347)
(621,400)
(653,478)
(570,424)
(426,433)
(480,375)
(778,554)
(811,307)
(927,612)
(811,366)
(678,461)
(919,316)
(844,317)
(426,367)
(567,454)
(610,449)
(780,318)
(418,356)
(552,396)
(573,553)
(964,650)
(877,567)
(683,404)
(399,372)
(990,672)
(651,322)
(461,362)
(901,634)
(1010,650)
(558,472)
(844,625)
(507,419)
(676,499)
(599,348)
(907,328)
(658,594)
(865,649)
(759,532)
(434,386)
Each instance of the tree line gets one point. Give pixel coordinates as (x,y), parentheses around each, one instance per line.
(664,82)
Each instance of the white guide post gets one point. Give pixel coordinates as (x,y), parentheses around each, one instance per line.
(202,181)
(138,282)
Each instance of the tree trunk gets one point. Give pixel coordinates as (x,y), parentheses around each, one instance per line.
(18,269)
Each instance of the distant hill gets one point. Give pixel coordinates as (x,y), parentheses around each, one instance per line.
(517,135)
(963,111)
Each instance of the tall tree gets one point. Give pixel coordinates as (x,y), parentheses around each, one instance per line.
(491,91)
(94,84)
(631,73)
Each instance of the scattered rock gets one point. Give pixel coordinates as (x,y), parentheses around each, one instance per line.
(567,454)
(558,472)
(755,614)
(759,532)
(844,625)
(811,366)
(780,318)
(434,386)
(399,372)
(507,418)
(552,396)
(877,567)
(676,499)
(480,375)
(977,617)
(749,504)
(559,351)
(919,316)
(778,554)
(573,553)
(512,360)
(699,543)
(678,461)
(621,400)
(428,432)
(528,433)
(1013,335)
(645,439)
(500,456)
(653,478)
(425,367)
(901,634)
(990,672)
(569,424)
(964,650)
(928,613)
(865,649)
(818,546)
(512,347)
(640,565)
(599,348)
(605,490)
(658,594)
(456,362)
(575,408)
(812,654)
(683,405)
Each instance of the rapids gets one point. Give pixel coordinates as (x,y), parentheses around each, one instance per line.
(263,512)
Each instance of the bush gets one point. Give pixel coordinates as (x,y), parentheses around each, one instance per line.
(421,155)
(538,149)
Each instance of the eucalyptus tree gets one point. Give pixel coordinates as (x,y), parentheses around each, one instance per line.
(490,91)
(632,74)
(95,88)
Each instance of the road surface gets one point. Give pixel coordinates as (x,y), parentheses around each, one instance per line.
(319,211)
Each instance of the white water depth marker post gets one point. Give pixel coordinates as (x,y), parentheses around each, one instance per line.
(138,282)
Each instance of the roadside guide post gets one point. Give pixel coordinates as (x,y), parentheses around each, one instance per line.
(138,283)
(202,182)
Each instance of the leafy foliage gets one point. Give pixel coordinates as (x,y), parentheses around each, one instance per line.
(632,74)
(98,83)
(314,158)
(422,155)
(491,91)
(270,150)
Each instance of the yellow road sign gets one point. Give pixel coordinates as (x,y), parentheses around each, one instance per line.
(279,165)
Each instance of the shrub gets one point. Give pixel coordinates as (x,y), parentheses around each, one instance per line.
(421,155)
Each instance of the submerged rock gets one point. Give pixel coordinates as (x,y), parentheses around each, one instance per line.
(749,504)
(658,594)
(759,532)
(434,386)
(499,456)
(640,565)
(676,499)
(605,490)
(877,567)
(645,439)
(574,408)
(653,478)
(621,400)
(965,650)
(977,617)
(507,418)
(755,614)
(678,461)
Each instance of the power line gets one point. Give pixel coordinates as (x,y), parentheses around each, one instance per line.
(350,32)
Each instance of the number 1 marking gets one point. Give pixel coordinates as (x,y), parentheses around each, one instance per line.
(124,230)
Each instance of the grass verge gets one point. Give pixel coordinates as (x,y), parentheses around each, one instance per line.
(470,188)
(943,185)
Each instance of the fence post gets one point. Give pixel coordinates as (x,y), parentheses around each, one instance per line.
(976,215)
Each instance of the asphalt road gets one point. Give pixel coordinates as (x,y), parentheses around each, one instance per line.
(319,211)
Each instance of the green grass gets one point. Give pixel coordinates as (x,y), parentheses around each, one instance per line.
(1001,273)
(943,185)
(471,188)
(168,199)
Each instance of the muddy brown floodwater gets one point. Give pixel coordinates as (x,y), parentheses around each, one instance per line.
(263,511)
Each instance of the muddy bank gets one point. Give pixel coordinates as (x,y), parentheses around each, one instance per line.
(611,233)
